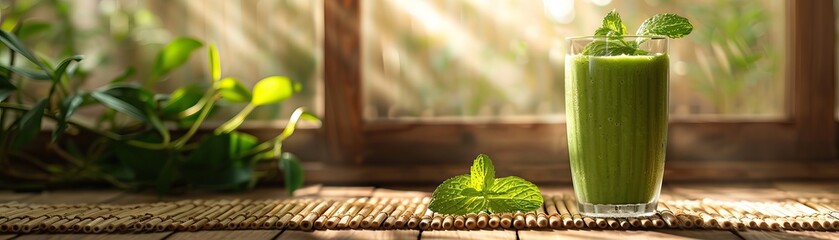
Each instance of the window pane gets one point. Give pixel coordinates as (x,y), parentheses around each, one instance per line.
(505,59)
(256,39)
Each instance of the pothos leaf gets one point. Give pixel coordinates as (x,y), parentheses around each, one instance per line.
(175,54)
(272,90)
(11,41)
(29,124)
(6,88)
(292,172)
(68,107)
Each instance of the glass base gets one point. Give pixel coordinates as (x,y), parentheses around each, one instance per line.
(617,210)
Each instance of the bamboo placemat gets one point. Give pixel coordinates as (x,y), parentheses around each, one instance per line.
(404,213)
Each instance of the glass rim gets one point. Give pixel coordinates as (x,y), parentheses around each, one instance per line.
(592,37)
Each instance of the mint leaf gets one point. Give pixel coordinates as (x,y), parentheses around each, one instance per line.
(612,25)
(481,191)
(611,47)
(512,194)
(483,173)
(454,196)
(668,24)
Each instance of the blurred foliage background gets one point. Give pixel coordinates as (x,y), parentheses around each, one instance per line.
(496,59)
(256,39)
(503,59)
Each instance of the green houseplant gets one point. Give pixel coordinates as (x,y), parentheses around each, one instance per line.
(132,145)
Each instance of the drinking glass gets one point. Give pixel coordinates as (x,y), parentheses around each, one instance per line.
(616,108)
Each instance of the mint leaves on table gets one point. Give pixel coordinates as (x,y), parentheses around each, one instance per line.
(668,25)
(481,191)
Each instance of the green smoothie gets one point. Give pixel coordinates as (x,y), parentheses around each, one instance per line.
(616,110)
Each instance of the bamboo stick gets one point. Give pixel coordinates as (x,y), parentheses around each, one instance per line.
(769,220)
(274,220)
(390,221)
(89,227)
(612,223)
(493,222)
(745,217)
(799,218)
(724,222)
(553,213)
(724,212)
(56,216)
(332,222)
(623,223)
(15,224)
(49,222)
(425,221)
(682,216)
(163,225)
(646,222)
(207,222)
(422,216)
(34,224)
(595,222)
(530,220)
(541,217)
(69,225)
(387,211)
(789,221)
(459,222)
(236,219)
(471,221)
(565,215)
(355,219)
(656,221)
(708,220)
(571,206)
(810,214)
(216,222)
(825,211)
(298,213)
(506,220)
(366,217)
(635,222)
(448,222)
(308,221)
(519,220)
(407,214)
(255,219)
(285,220)
(436,221)
(483,220)
(666,215)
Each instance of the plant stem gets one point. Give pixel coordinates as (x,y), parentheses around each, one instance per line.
(209,101)
(237,120)
(276,143)
(107,134)
(32,161)
(67,156)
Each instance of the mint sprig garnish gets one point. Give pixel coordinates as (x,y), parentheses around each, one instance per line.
(612,25)
(667,24)
(480,191)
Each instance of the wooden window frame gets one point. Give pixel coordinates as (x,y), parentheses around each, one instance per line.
(348,150)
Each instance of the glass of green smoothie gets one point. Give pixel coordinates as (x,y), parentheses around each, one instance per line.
(616,93)
(616,109)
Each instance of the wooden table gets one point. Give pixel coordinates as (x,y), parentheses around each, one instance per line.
(720,191)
